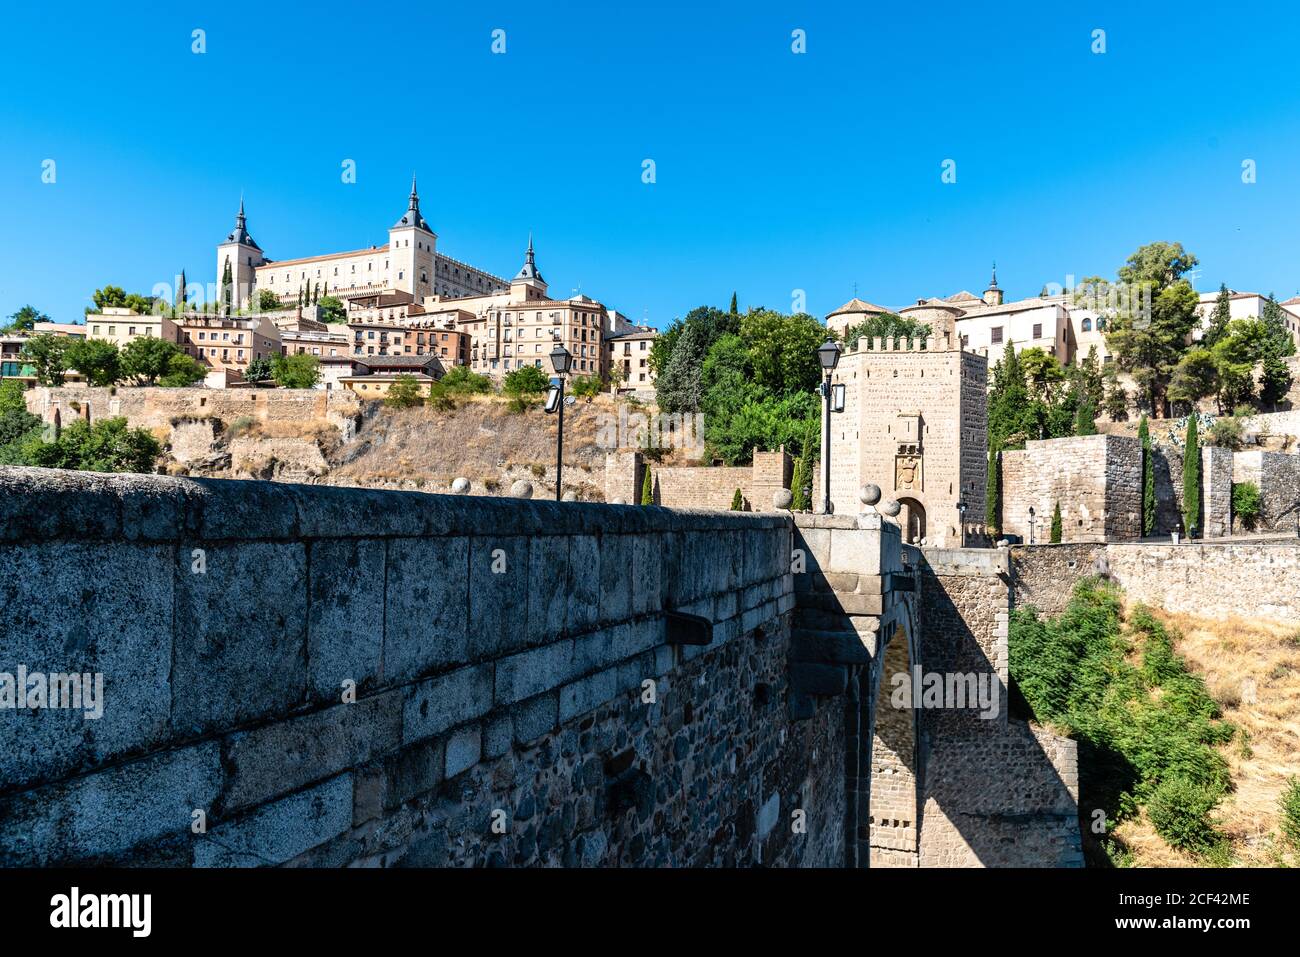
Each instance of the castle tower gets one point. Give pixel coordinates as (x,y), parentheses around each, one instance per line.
(993,295)
(528,283)
(244,256)
(411,247)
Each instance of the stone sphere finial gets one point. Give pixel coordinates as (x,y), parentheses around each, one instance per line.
(522,489)
(869,494)
(460,486)
(570,497)
(890,507)
(782,498)
(617,501)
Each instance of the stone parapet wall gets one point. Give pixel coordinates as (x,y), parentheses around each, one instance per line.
(333,676)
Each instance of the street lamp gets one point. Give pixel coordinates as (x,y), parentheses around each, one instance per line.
(828,357)
(560,361)
(961,519)
(1031,525)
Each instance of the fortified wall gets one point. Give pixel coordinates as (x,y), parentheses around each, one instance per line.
(1243,579)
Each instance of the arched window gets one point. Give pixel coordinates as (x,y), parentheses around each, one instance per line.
(1087,325)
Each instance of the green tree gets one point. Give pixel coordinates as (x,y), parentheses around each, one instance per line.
(1116,398)
(527,380)
(1195,377)
(25,319)
(735,311)
(332,310)
(301,371)
(798,503)
(1246,504)
(710,325)
(182,370)
(1274,320)
(227,287)
(885,325)
(1042,371)
(1012,416)
(1219,318)
(1274,379)
(1085,420)
(647,489)
(737,501)
(460,380)
(267,301)
(109,297)
(47,354)
(993,494)
(147,359)
(1056,524)
(1191,479)
(403,393)
(96,359)
(107,446)
(1290,806)
(1148,478)
(17,425)
(259,370)
(1150,330)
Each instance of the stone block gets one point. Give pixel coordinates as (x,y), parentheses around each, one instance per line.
(588,693)
(532,672)
(64,613)
(617,566)
(583,605)
(345,633)
(414,770)
(548,588)
(536,717)
(101,815)
(855,550)
(616,643)
(279,832)
(282,757)
(498,736)
(241,635)
(812,678)
(498,595)
(426,624)
(464,748)
(647,574)
(440,703)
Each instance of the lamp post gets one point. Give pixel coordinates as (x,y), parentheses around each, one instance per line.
(828,357)
(961,522)
(1031,525)
(560,361)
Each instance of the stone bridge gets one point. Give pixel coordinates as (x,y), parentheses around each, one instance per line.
(324,676)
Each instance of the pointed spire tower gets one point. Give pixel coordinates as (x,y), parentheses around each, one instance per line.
(528,283)
(993,295)
(243,254)
(412,245)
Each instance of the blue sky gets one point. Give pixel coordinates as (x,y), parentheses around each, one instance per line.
(775,171)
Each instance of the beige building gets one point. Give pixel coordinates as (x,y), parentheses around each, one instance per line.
(372,377)
(628,352)
(409,262)
(227,342)
(121,326)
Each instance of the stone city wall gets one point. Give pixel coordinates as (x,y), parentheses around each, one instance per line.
(329,676)
(1096,480)
(699,486)
(1236,579)
(1277,476)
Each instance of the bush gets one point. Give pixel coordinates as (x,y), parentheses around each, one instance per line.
(529,380)
(1141,718)
(403,393)
(1290,806)
(737,502)
(301,371)
(106,446)
(460,380)
(1246,503)
(1227,432)
(586,386)
(1180,812)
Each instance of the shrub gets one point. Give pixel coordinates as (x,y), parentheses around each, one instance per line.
(301,371)
(1180,812)
(403,393)
(529,380)
(586,386)
(1246,503)
(1290,806)
(1227,432)
(737,502)
(239,426)
(459,379)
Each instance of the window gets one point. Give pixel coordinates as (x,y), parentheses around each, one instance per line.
(1038,330)
(996,335)
(1087,325)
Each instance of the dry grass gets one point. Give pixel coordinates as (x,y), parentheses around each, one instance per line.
(1252,668)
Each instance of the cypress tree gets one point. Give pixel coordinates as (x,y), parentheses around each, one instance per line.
(1148,479)
(1191,478)
(647,489)
(1056,524)
(735,311)
(797,502)
(737,501)
(1085,419)
(993,496)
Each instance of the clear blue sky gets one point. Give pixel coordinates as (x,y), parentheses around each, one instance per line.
(775,171)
